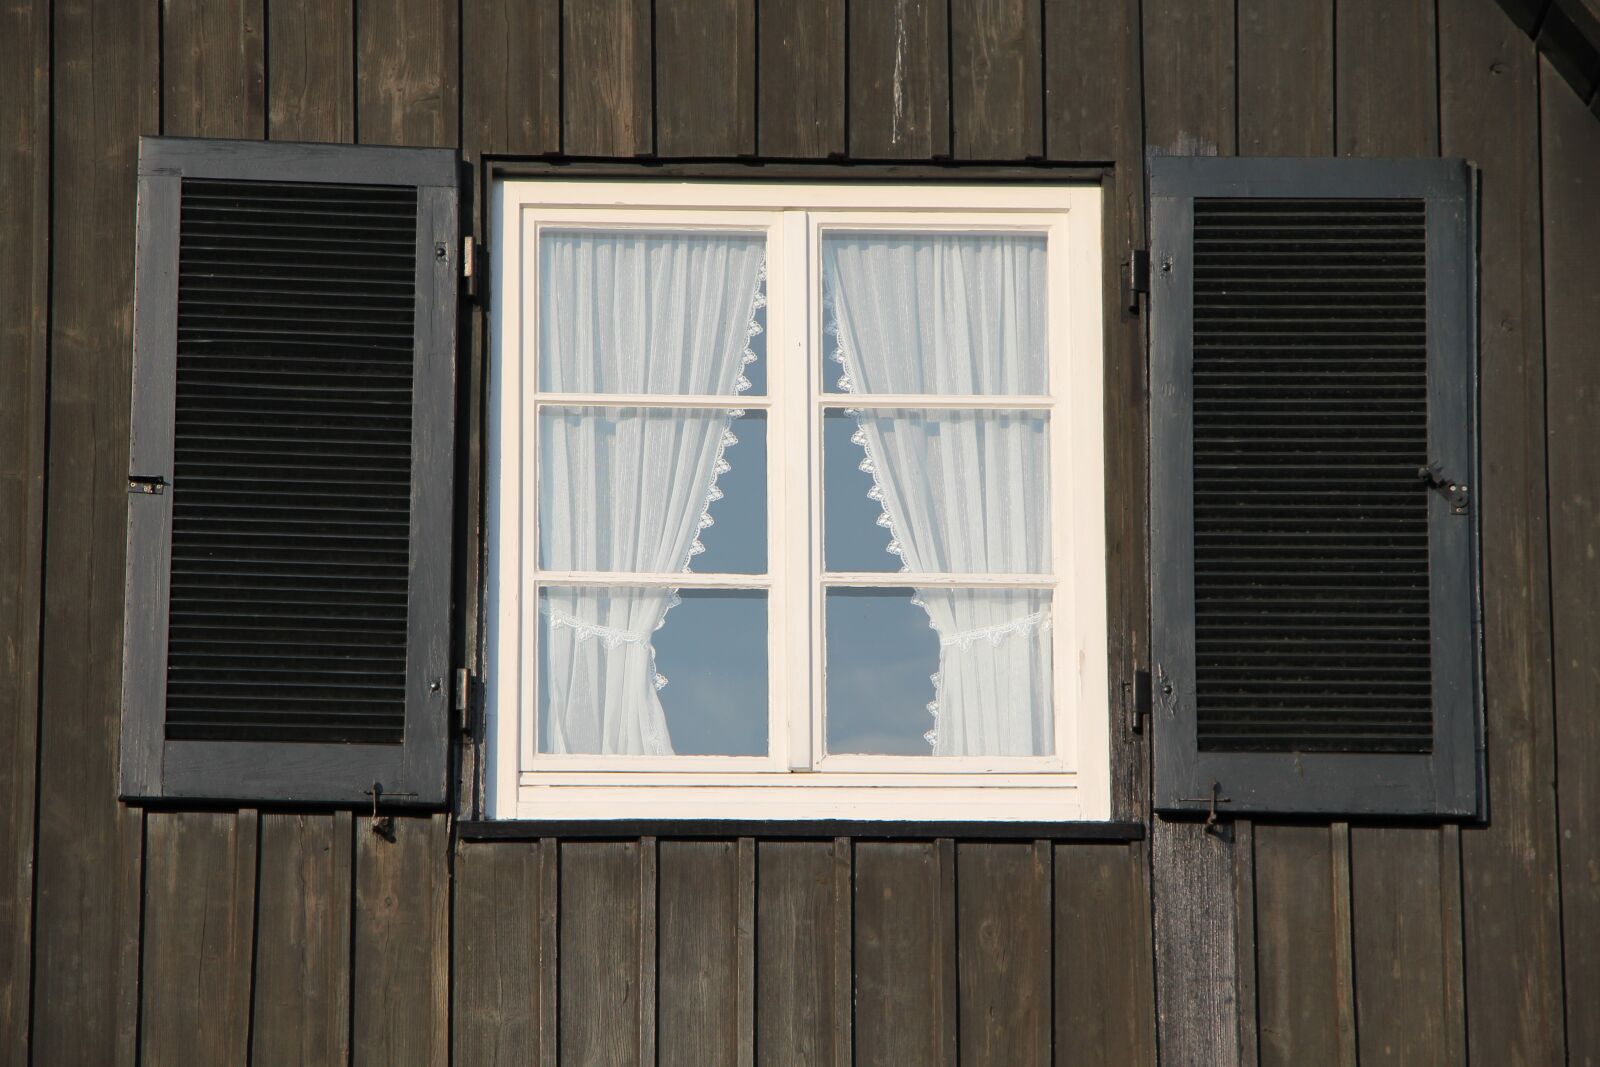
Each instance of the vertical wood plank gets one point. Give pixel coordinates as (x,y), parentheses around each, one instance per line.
(213,68)
(649,947)
(904,954)
(1285,77)
(1386,85)
(402,944)
(699,966)
(600,959)
(495,958)
(1003,953)
(302,963)
(996,80)
(24,322)
(1244,906)
(549,969)
(1571,158)
(745,935)
(899,79)
(1104,984)
(407,72)
(86,935)
(511,89)
(705,56)
(311,76)
(607,104)
(844,946)
(801,74)
(1489,112)
(1189,72)
(1092,80)
(199,925)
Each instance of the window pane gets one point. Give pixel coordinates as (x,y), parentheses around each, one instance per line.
(933,490)
(606,657)
(650,311)
(938,672)
(653,490)
(962,314)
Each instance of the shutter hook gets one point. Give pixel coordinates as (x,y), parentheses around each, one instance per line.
(1211,825)
(382,825)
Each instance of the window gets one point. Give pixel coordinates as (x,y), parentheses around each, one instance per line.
(796,502)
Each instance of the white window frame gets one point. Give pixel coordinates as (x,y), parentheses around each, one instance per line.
(790,782)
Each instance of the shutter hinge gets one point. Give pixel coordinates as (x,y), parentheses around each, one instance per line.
(1136,700)
(1453,491)
(474,266)
(151,484)
(462,700)
(1136,279)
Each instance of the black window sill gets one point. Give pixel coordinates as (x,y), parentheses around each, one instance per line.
(530,829)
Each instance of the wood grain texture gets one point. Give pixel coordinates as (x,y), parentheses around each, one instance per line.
(1489,101)
(497,959)
(24,338)
(302,960)
(1092,80)
(1003,924)
(511,90)
(401,1003)
(310,70)
(905,954)
(607,90)
(796,907)
(899,79)
(1386,78)
(86,932)
(698,975)
(1571,178)
(600,992)
(1104,982)
(705,57)
(407,73)
(1285,77)
(199,927)
(1189,77)
(213,74)
(996,80)
(1306,1003)
(1197,970)
(801,91)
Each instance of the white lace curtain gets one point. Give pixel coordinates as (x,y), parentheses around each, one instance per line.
(629,489)
(963,491)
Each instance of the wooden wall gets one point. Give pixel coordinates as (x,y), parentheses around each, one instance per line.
(271,937)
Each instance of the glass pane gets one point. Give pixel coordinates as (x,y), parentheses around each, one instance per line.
(962,314)
(650,311)
(936,491)
(938,672)
(653,490)
(633,671)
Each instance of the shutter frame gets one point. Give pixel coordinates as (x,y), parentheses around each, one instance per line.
(1448,781)
(413,771)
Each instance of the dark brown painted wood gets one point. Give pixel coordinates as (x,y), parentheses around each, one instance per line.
(996,81)
(301,1011)
(497,959)
(199,925)
(899,79)
(1571,155)
(698,975)
(905,954)
(213,75)
(796,907)
(1003,922)
(86,933)
(607,107)
(1189,77)
(705,58)
(601,925)
(310,76)
(511,88)
(407,73)
(400,1008)
(1104,983)
(1489,101)
(1092,80)
(1304,996)
(1285,77)
(1386,78)
(801,92)
(25,66)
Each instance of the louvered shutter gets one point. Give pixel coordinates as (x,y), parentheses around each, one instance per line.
(289,514)
(1313,486)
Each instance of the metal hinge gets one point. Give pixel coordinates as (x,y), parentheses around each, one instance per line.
(474,265)
(1137,279)
(462,700)
(1453,491)
(152,484)
(1136,699)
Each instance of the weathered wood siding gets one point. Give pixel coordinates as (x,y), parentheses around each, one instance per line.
(275,937)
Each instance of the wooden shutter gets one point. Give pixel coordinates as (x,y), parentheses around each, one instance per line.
(1314,486)
(289,508)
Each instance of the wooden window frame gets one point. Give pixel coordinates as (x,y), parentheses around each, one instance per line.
(1071,785)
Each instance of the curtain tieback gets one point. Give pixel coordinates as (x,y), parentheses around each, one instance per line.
(611,636)
(1037,622)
